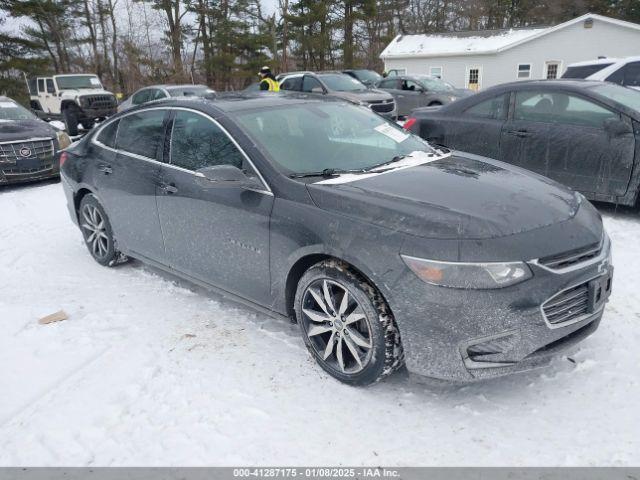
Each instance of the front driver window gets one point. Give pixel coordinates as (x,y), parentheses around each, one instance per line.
(197,142)
(309,83)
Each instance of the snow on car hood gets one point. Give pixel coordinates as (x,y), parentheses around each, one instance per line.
(23,129)
(81,92)
(454,197)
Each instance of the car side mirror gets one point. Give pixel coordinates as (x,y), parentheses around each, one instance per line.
(226,176)
(617,128)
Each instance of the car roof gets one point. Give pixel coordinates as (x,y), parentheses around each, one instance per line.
(565,83)
(598,61)
(238,101)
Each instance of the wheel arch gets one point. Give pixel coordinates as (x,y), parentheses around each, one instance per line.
(78,196)
(302,264)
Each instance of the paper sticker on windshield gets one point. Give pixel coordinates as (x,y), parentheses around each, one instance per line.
(391,132)
(7,105)
(94,81)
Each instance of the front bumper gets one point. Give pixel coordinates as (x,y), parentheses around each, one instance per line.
(466,335)
(37,166)
(98,112)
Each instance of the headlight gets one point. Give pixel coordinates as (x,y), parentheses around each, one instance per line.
(63,140)
(468,275)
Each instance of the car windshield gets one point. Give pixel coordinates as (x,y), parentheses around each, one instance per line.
(368,76)
(342,83)
(78,81)
(626,96)
(10,110)
(312,137)
(434,84)
(204,92)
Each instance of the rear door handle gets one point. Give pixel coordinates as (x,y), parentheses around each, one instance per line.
(168,188)
(106,169)
(519,133)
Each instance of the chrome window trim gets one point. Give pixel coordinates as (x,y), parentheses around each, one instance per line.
(604,253)
(94,140)
(35,139)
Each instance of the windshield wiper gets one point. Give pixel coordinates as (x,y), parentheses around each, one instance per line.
(395,159)
(327,172)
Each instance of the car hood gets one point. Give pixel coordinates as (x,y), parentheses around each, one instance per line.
(24,129)
(457,197)
(81,92)
(364,95)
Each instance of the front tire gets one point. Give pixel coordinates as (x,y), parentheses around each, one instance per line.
(97,232)
(346,324)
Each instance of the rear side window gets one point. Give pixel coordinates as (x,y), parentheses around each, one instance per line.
(389,84)
(197,142)
(585,70)
(560,108)
(50,87)
(141,133)
(493,108)
(107,135)
(141,97)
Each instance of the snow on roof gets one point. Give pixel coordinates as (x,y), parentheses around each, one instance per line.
(455,44)
(478,42)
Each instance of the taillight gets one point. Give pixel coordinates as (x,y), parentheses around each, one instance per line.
(63,158)
(409,123)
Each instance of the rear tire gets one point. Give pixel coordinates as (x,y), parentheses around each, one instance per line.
(70,121)
(97,232)
(88,124)
(354,339)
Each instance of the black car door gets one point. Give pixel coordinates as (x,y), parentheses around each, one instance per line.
(477,129)
(217,234)
(571,139)
(126,179)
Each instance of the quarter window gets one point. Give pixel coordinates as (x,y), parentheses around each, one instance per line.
(524,70)
(141,133)
(107,135)
(492,108)
(560,108)
(197,142)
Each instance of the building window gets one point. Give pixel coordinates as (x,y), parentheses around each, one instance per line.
(552,70)
(473,79)
(435,72)
(524,70)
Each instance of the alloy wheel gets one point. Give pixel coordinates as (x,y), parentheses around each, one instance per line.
(95,231)
(336,326)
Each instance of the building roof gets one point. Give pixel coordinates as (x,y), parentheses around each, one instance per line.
(478,42)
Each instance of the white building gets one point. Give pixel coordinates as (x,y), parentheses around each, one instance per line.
(480,59)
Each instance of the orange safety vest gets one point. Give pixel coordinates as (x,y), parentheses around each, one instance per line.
(273,85)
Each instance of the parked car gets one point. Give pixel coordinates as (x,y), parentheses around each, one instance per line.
(420,91)
(27,145)
(580,133)
(341,86)
(73,98)
(158,92)
(625,72)
(382,248)
(367,77)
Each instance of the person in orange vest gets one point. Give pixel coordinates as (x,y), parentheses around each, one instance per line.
(268,82)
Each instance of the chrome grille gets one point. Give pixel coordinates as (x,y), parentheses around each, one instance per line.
(567,305)
(382,107)
(40,148)
(572,257)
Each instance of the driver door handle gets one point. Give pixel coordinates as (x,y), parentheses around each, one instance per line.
(106,169)
(168,188)
(519,133)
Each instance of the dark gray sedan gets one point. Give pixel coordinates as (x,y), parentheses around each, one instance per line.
(416,91)
(384,250)
(584,134)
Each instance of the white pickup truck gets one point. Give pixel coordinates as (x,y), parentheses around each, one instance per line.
(73,98)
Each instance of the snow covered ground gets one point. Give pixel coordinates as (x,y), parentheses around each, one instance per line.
(149,370)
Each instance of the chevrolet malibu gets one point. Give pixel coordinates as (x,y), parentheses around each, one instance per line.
(386,251)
